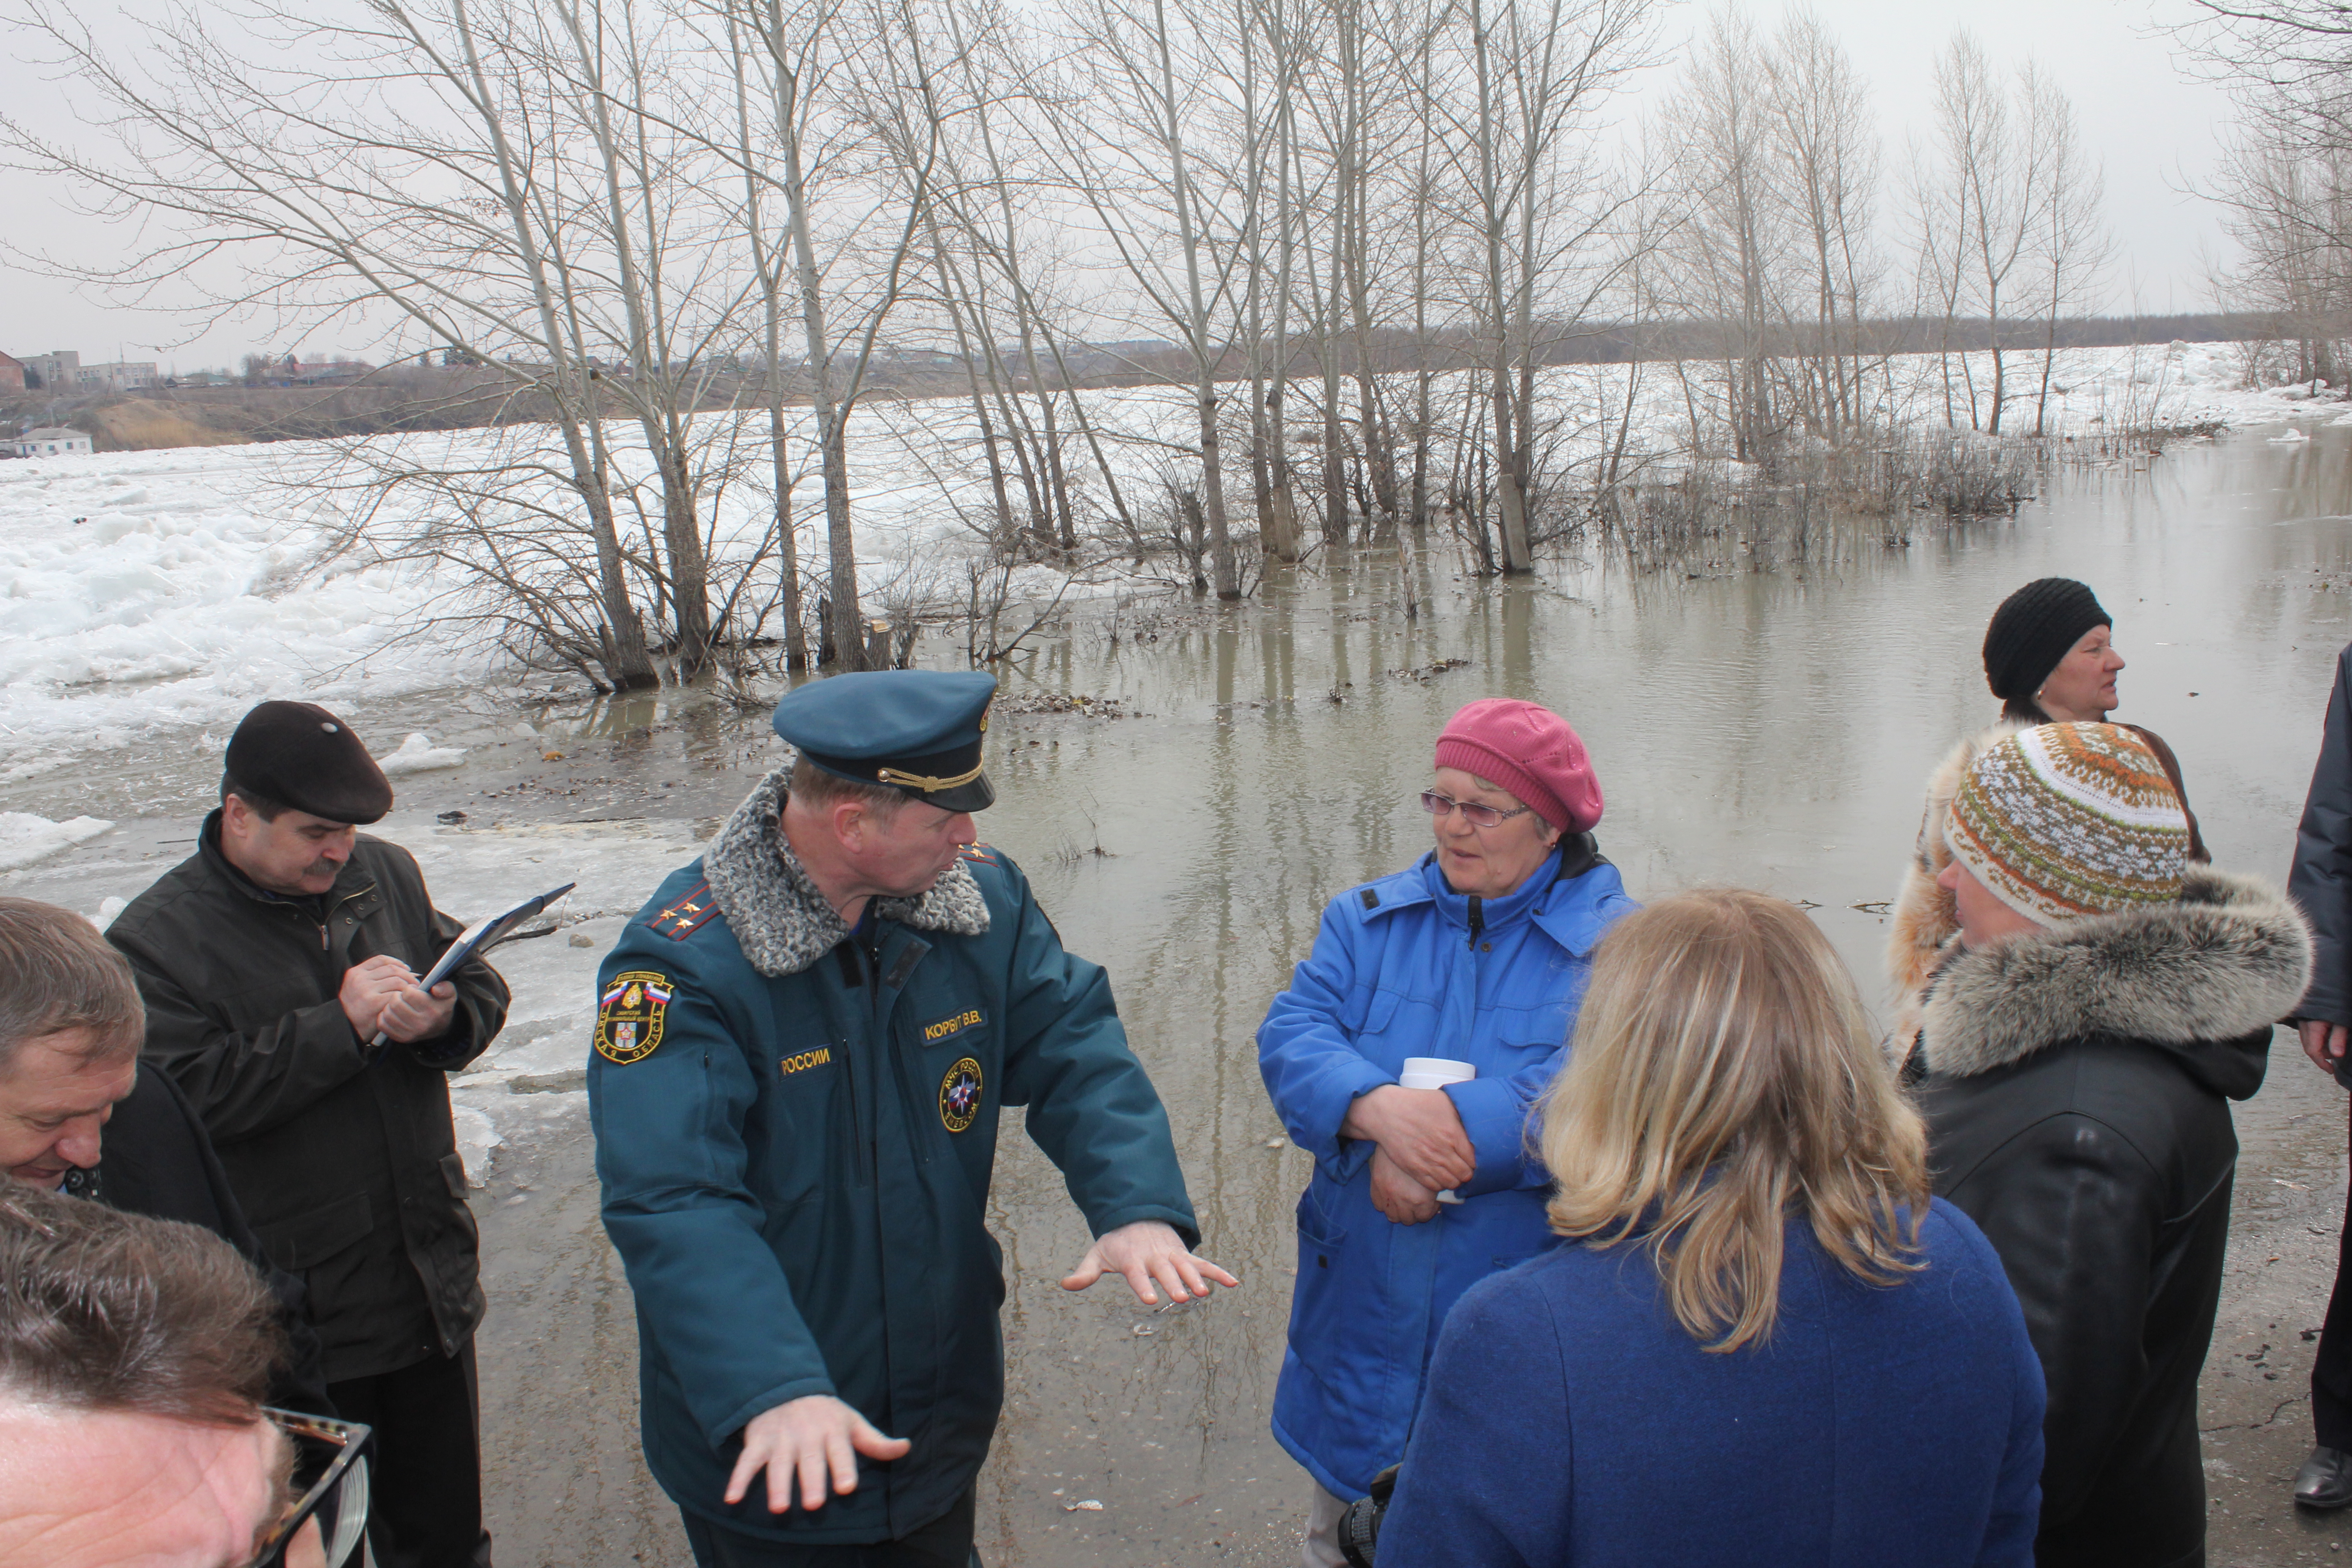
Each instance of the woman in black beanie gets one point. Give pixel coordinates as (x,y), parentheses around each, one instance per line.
(2050,657)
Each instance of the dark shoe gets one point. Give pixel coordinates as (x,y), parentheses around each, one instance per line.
(2325,1479)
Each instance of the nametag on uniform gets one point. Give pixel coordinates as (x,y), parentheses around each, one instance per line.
(821,1056)
(954,1024)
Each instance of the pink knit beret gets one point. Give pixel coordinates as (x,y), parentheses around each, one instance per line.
(1530,751)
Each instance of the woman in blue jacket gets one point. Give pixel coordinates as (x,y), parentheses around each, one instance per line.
(1765,1346)
(1478,953)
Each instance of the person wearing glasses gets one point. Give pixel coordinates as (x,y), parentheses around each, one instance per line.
(134,1355)
(1476,954)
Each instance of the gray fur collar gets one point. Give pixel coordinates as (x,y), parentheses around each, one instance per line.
(780,919)
(2231,956)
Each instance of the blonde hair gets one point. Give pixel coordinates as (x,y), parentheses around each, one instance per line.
(1725,1082)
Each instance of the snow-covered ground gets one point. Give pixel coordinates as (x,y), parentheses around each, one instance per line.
(165,593)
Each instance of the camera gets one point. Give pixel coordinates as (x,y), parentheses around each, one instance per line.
(1359,1527)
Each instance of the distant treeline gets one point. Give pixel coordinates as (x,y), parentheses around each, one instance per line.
(413,398)
(1622,343)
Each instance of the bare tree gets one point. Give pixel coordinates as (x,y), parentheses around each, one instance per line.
(1136,171)
(1825,151)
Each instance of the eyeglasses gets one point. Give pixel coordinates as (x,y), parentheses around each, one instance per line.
(331,1471)
(1473,812)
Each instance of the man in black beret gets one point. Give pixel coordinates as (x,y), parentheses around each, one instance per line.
(270,961)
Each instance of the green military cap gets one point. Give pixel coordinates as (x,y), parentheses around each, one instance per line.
(914,730)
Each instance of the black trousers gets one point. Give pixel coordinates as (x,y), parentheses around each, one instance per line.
(426,1489)
(945,1543)
(2331,1372)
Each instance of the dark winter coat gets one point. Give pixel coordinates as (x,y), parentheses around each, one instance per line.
(2077,1089)
(156,1160)
(345,1160)
(795,1129)
(2321,885)
(1572,1421)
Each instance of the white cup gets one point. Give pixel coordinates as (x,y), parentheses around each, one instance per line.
(1436,1072)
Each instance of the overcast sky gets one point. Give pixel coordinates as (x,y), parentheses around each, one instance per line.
(2154,127)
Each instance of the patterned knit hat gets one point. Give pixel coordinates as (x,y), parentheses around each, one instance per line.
(2070,819)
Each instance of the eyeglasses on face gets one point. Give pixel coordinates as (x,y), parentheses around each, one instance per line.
(330,1483)
(1473,812)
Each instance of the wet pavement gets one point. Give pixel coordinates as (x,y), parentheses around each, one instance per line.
(1768,729)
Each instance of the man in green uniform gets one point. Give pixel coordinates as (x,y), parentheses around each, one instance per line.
(803,1045)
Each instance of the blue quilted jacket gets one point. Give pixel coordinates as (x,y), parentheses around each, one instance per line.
(1407,967)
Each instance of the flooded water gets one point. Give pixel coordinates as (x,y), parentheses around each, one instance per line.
(1766,729)
(1772,731)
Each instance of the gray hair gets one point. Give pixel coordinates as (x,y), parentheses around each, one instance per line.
(58,974)
(819,788)
(106,1312)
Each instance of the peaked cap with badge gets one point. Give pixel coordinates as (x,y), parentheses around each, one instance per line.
(918,730)
(299,754)
(797,1124)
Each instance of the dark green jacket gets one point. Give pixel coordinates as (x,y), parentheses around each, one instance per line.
(346,1167)
(797,1165)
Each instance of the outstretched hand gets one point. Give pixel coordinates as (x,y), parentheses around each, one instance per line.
(1143,1252)
(816,1437)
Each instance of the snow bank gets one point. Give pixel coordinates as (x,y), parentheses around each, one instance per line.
(25,838)
(151,589)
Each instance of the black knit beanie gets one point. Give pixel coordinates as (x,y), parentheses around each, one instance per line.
(2033,630)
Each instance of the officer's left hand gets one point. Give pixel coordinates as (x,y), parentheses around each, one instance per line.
(1147,1251)
(415,1015)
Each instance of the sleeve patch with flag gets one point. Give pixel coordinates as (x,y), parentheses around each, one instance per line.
(629,1016)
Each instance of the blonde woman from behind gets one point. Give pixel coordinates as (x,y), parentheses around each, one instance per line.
(1763,1343)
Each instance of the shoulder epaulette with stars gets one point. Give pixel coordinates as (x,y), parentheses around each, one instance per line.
(682,916)
(979,852)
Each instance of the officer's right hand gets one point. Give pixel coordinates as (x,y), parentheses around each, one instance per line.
(369,987)
(810,1435)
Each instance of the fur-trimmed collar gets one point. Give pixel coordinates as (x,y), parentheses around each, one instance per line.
(778,918)
(2230,957)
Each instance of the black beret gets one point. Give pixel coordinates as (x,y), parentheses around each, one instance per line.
(2033,630)
(299,754)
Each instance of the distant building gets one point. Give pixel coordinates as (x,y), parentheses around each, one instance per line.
(61,371)
(326,372)
(11,375)
(50,441)
(52,372)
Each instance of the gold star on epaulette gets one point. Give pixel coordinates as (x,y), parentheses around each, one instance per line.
(684,917)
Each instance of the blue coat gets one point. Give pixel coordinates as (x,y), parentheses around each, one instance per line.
(795,1129)
(1398,971)
(1572,1420)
